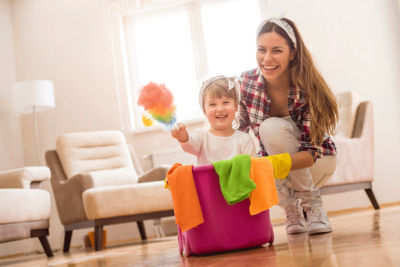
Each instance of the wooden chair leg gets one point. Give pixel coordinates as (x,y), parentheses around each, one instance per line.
(372,198)
(142,231)
(46,246)
(98,237)
(42,235)
(67,240)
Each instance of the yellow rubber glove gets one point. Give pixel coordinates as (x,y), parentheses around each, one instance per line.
(282,164)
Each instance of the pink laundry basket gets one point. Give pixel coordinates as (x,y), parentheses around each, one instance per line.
(226,227)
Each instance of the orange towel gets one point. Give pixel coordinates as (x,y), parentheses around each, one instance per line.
(187,208)
(264,196)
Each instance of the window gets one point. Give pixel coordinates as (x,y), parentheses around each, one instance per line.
(165,55)
(180,43)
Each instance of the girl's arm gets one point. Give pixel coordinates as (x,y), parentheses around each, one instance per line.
(190,143)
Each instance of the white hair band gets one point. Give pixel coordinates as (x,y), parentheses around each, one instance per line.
(284,25)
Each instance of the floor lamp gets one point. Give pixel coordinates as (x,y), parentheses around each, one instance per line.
(33,97)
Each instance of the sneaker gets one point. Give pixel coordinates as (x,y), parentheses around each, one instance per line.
(318,222)
(295,222)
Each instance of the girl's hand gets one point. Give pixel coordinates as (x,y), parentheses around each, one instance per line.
(180,133)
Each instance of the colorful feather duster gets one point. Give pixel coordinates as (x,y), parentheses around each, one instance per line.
(157,100)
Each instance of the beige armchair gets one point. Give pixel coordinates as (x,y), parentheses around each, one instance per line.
(95,184)
(24,207)
(355,145)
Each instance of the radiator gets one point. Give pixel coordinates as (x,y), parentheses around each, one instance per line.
(171,156)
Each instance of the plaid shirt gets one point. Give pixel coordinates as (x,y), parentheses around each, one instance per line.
(255,105)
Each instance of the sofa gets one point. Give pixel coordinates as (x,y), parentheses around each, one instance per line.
(24,206)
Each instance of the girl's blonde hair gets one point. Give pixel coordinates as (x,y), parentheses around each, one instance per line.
(305,76)
(218,87)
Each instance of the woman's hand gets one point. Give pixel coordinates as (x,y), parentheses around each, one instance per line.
(180,133)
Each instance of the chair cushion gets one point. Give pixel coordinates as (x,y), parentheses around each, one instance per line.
(123,200)
(347,105)
(100,153)
(354,162)
(22,205)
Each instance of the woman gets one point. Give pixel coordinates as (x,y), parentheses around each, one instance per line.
(290,108)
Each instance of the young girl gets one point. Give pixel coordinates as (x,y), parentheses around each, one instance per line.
(290,108)
(219,99)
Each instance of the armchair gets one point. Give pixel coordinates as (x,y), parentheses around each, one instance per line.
(95,184)
(355,145)
(24,207)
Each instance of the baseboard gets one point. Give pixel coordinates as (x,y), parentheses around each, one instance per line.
(347,211)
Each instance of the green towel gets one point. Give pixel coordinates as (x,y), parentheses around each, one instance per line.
(234,178)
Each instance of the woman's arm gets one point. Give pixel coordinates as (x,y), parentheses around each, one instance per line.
(301,160)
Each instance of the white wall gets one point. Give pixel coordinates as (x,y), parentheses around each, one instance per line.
(70,45)
(10,134)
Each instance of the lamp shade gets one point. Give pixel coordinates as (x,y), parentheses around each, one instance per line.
(36,93)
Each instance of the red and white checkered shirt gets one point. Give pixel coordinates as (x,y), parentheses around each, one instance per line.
(255,105)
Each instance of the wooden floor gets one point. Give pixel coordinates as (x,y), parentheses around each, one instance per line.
(363,238)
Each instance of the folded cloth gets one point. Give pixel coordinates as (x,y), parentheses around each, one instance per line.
(264,196)
(186,202)
(282,163)
(234,178)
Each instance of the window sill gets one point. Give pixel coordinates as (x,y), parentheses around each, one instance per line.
(156,128)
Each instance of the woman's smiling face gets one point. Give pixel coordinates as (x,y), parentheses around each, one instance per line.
(273,56)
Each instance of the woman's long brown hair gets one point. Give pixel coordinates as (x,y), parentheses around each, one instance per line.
(305,76)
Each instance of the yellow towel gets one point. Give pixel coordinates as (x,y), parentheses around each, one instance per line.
(187,207)
(264,196)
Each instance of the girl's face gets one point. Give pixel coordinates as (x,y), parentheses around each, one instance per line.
(273,56)
(220,113)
